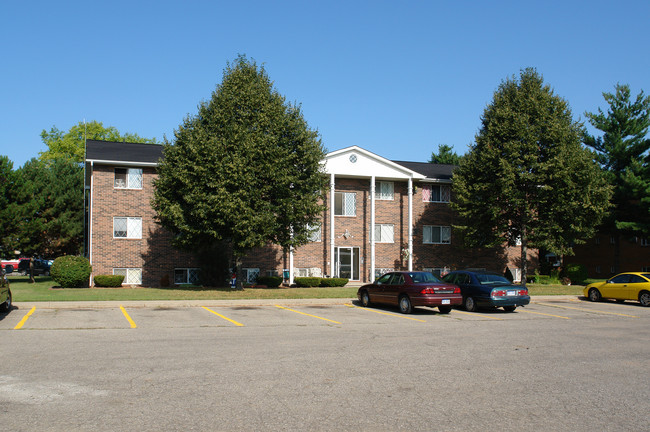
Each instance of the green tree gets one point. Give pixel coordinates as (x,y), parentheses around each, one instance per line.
(527,178)
(71,144)
(445,155)
(49,198)
(243,172)
(622,152)
(8,215)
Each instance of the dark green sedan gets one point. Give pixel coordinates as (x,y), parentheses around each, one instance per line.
(485,289)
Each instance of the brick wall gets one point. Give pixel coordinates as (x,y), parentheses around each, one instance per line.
(152,253)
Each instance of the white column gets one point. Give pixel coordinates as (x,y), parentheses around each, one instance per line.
(332,264)
(372,228)
(410,194)
(291,266)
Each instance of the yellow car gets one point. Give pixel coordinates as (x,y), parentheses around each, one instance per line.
(624,286)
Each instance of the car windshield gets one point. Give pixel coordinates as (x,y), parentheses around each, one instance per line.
(423,277)
(491,279)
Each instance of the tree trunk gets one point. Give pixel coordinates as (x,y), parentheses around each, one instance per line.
(31,271)
(239,274)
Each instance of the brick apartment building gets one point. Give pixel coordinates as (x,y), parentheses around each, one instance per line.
(406,202)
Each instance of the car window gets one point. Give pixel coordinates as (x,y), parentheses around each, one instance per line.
(450,278)
(622,278)
(385,278)
(464,279)
(491,279)
(423,277)
(637,279)
(398,280)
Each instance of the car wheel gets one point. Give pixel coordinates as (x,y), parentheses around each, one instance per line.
(365,299)
(444,309)
(594,295)
(470,304)
(6,306)
(405,305)
(509,308)
(644,298)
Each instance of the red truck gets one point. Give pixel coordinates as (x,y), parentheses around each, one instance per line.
(10,265)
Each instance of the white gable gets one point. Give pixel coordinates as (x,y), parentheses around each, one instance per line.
(357,162)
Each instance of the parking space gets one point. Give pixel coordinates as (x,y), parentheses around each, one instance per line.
(269,315)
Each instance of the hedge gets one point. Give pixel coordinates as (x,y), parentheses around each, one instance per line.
(108,281)
(269,281)
(71,271)
(306,282)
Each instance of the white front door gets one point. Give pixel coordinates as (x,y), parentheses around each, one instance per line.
(347,262)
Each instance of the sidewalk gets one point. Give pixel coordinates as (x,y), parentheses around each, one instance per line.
(219,303)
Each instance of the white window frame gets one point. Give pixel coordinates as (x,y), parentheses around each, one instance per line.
(132,275)
(385,190)
(384,233)
(444,193)
(348,200)
(133,231)
(250,274)
(445,234)
(132,176)
(187,271)
(314,233)
(645,241)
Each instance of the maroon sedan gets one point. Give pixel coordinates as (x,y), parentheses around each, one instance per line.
(409,289)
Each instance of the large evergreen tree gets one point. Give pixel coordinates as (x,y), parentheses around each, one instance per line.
(8,215)
(623,153)
(242,173)
(49,203)
(527,178)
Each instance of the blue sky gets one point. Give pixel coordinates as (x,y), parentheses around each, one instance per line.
(396,78)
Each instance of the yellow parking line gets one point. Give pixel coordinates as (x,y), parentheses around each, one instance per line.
(221,316)
(540,313)
(481,315)
(128,318)
(302,313)
(587,310)
(386,313)
(24,320)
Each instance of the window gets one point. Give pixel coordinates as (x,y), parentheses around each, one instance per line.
(432,234)
(186,276)
(250,274)
(645,242)
(384,190)
(437,271)
(128,178)
(598,270)
(436,193)
(132,276)
(384,233)
(345,204)
(314,233)
(127,227)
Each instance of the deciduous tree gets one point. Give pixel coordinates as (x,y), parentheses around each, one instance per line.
(71,144)
(527,178)
(243,172)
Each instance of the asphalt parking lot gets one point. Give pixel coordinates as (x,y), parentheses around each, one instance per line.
(561,363)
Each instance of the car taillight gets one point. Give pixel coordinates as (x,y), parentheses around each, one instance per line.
(498,293)
(522,292)
(427,291)
(457,290)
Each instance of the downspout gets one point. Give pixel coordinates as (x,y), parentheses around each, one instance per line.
(372,228)
(291,266)
(332,264)
(90,215)
(410,231)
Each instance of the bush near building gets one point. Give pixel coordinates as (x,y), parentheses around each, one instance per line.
(71,271)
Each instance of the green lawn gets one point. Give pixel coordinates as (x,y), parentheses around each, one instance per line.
(43,290)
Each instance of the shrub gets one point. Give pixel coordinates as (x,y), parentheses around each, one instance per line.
(269,281)
(71,271)
(109,281)
(333,282)
(306,282)
(576,272)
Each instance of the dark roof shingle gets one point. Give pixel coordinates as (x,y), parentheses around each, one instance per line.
(123,152)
